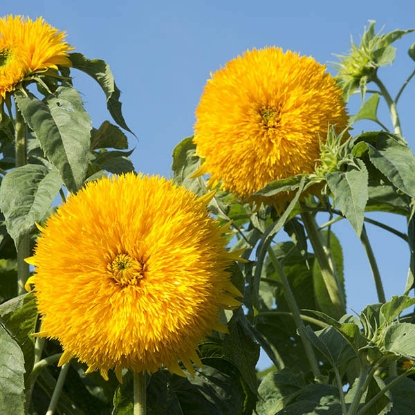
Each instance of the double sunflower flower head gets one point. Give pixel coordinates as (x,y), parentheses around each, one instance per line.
(28,47)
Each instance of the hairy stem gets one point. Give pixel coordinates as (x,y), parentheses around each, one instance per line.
(373,265)
(140,384)
(391,105)
(292,304)
(58,388)
(23,250)
(323,257)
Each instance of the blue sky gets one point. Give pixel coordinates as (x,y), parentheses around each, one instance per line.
(161,53)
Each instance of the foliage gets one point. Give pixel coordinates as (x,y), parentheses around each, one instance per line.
(294,300)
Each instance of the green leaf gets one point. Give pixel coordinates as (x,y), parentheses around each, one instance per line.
(185,163)
(333,345)
(26,194)
(19,316)
(399,338)
(350,190)
(63,128)
(113,161)
(241,349)
(12,369)
(108,136)
(321,294)
(282,185)
(389,38)
(368,111)
(276,391)
(411,51)
(8,279)
(403,396)
(215,390)
(382,404)
(100,71)
(384,56)
(393,308)
(315,399)
(370,318)
(392,158)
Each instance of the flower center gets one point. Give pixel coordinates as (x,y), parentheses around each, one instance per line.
(126,270)
(270,117)
(4,57)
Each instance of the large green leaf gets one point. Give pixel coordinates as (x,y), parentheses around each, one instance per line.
(350,191)
(101,72)
(393,308)
(26,195)
(12,369)
(403,397)
(391,157)
(19,316)
(63,128)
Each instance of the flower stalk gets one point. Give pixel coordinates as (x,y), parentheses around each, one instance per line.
(23,250)
(140,401)
(323,256)
(292,304)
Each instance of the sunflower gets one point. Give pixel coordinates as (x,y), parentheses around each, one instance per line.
(131,273)
(262,117)
(28,47)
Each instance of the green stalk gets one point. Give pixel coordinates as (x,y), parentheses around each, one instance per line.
(391,105)
(23,250)
(308,319)
(140,384)
(323,257)
(374,266)
(292,304)
(58,388)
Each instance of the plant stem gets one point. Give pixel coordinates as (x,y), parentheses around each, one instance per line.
(374,266)
(58,388)
(323,257)
(140,384)
(391,105)
(308,319)
(292,304)
(23,250)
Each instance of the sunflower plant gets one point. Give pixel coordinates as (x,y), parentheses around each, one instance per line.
(124,293)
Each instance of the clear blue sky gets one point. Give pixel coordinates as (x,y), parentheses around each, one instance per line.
(161,53)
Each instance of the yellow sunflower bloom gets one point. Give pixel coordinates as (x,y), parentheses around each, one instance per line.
(261,118)
(131,273)
(27,47)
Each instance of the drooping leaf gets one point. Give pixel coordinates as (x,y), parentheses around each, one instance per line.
(26,195)
(350,191)
(108,136)
(63,128)
(100,71)
(12,397)
(116,162)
